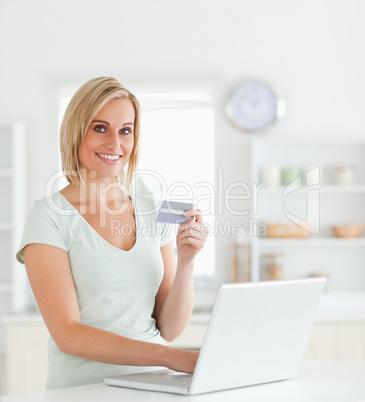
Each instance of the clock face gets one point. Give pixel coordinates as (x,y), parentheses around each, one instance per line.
(253,106)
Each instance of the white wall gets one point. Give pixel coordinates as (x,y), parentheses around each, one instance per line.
(312,50)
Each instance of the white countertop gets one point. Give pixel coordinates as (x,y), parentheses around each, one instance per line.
(341,306)
(316,381)
(334,306)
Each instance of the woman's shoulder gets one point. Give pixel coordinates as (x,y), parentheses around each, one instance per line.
(52,207)
(44,225)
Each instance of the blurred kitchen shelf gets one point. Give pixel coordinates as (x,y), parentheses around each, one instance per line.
(327,204)
(12,217)
(358,189)
(344,306)
(6,173)
(323,242)
(6,287)
(6,225)
(333,306)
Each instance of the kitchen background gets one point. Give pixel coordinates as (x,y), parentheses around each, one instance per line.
(193,54)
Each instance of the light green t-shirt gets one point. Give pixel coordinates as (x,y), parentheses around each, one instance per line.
(116,289)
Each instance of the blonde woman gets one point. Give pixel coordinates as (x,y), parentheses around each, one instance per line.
(109,294)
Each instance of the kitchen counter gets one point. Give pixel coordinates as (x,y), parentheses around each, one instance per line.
(338,334)
(341,306)
(316,381)
(334,306)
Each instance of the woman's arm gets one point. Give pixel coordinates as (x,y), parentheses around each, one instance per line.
(49,273)
(174,300)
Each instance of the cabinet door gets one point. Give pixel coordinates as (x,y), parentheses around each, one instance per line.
(352,343)
(26,358)
(321,344)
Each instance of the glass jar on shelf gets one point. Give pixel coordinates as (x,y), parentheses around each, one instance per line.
(273,266)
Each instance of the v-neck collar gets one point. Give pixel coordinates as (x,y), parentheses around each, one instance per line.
(101,237)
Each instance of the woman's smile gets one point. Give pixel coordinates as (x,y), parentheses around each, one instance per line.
(108,158)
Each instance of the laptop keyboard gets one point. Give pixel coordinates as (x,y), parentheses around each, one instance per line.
(178,380)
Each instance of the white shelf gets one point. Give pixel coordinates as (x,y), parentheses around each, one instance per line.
(6,287)
(6,173)
(13,283)
(342,306)
(343,259)
(325,189)
(6,225)
(310,242)
(23,319)
(312,140)
(358,189)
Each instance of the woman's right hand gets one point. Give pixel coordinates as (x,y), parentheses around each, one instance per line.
(182,360)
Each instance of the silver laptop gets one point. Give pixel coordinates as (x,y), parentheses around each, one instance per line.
(257,334)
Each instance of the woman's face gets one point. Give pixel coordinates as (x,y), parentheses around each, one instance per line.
(109,141)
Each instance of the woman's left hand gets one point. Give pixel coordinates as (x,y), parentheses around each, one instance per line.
(191,237)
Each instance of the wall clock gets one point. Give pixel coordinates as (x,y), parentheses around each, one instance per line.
(253,105)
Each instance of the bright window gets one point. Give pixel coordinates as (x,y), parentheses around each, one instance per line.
(177,145)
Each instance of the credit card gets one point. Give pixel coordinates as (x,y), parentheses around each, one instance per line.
(172,212)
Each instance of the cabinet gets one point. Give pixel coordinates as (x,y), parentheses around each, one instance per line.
(13,281)
(27,338)
(322,342)
(329,340)
(337,341)
(26,367)
(353,336)
(315,203)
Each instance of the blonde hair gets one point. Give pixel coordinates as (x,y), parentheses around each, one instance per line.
(81,111)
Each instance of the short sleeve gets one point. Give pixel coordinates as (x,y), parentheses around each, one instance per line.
(167,234)
(42,226)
